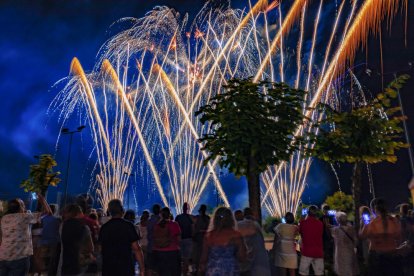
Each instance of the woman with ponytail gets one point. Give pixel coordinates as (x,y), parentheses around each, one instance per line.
(384,236)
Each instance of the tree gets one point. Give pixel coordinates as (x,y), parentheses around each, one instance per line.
(251,128)
(340,201)
(41,175)
(366,134)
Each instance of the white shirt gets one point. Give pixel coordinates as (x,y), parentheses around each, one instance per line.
(16,238)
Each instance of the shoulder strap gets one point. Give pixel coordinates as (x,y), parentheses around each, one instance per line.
(346,233)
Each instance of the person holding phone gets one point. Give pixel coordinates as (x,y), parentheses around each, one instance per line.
(15,236)
(345,240)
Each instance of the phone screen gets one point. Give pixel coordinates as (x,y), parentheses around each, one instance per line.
(366,218)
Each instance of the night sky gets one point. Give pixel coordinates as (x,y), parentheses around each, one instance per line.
(40,38)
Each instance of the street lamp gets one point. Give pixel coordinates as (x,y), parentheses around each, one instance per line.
(65,131)
(128,188)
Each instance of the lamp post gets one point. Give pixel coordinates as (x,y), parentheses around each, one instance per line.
(66,131)
(128,174)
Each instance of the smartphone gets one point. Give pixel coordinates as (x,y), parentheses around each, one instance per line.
(366,218)
(331,213)
(304,212)
(283,220)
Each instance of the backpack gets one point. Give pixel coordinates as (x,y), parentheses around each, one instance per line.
(162,235)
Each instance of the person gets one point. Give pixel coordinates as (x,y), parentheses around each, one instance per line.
(50,240)
(76,240)
(328,243)
(345,240)
(202,220)
(311,232)
(384,236)
(186,223)
(16,240)
(238,215)
(258,263)
(119,241)
(223,247)
(407,235)
(131,217)
(143,231)
(142,226)
(153,220)
(166,245)
(365,218)
(286,258)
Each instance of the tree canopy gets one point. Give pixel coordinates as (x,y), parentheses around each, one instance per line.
(41,175)
(369,133)
(252,120)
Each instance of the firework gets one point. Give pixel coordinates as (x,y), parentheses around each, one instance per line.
(150,78)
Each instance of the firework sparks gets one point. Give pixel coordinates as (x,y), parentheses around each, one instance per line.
(149,110)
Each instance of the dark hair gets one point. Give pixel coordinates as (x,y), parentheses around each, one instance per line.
(290,218)
(380,207)
(14,206)
(165,216)
(186,207)
(202,209)
(115,207)
(93,216)
(156,208)
(325,207)
(223,219)
(53,208)
(130,215)
(404,209)
(248,213)
(312,211)
(72,211)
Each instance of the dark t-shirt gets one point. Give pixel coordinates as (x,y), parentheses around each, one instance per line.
(74,235)
(186,225)
(116,237)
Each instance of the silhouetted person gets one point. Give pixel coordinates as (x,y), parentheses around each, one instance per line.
(384,235)
(238,215)
(166,245)
(119,240)
(201,224)
(77,245)
(186,223)
(154,219)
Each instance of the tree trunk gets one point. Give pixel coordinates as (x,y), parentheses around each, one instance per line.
(356,192)
(253,183)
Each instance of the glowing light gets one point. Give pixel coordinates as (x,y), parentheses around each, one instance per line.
(148,111)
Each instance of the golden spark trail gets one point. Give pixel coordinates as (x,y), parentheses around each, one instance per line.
(299,47)
(315,32)
(368,20)
(328,49)
(76,68)
(173,93)
(107,67)
(290,19)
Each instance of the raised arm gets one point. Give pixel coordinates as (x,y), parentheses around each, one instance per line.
(139,256)
(44,204)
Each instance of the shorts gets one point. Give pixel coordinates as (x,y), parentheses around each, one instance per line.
(317,265)
(186,246)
